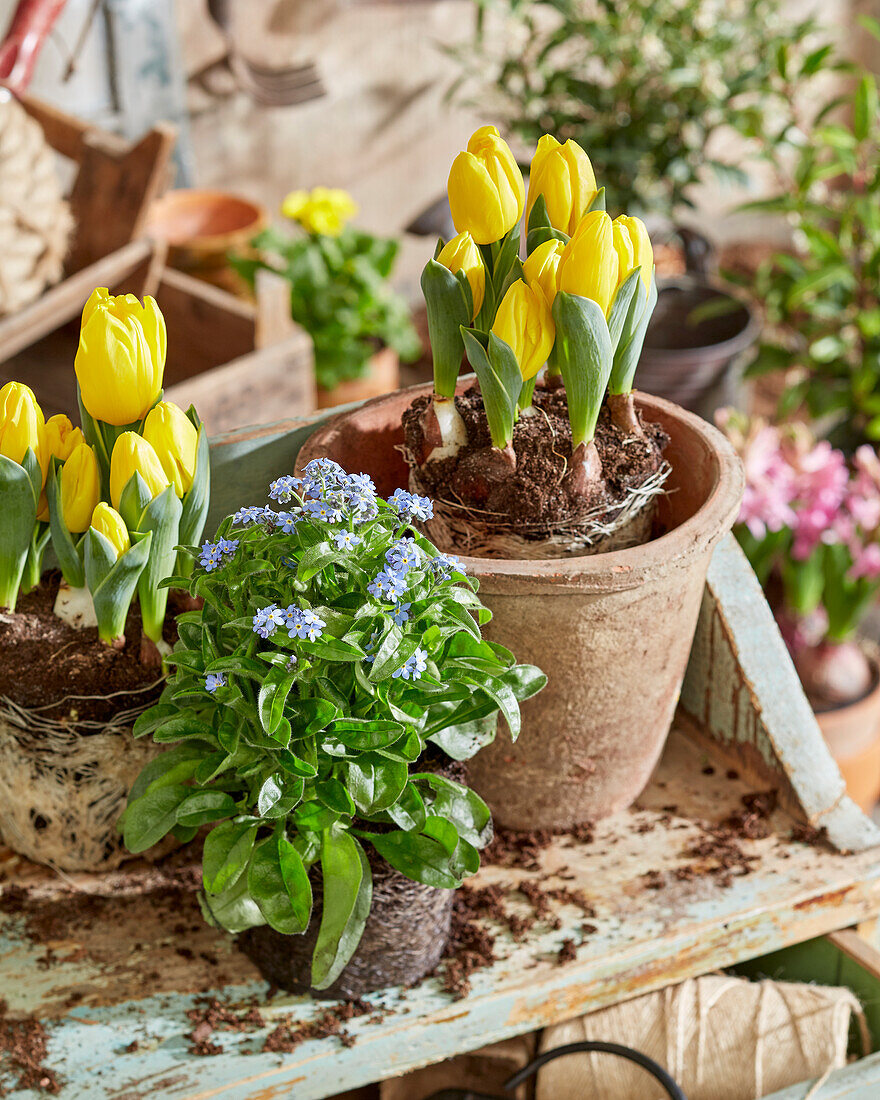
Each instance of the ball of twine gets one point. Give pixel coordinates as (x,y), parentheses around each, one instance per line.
(35,219)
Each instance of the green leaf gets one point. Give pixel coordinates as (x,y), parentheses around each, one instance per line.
(458,804)
(234,910)
(409,812)
(585,356)
(161,518)
(195,503)
(173,766)
(374,782)
(226,853)
(865,106)
(348,893)
(112,581)
(333,794)
(366,733)
(422,858)
(448,309)
(202,807)
(273,696)
(499,400)
(68,552)
(269,794)
(151,817)
(19,509)
(279,884)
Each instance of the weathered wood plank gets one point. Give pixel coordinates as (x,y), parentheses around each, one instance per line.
(859,1081)
(122,966)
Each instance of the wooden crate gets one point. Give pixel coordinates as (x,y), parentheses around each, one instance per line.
(237,362)
(114,990)
(115,181)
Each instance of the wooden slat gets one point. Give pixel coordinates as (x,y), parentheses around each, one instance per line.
(64,302)
(855,947)
(859,1081)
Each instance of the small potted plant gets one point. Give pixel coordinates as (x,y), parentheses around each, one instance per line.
(553,483)
(820,297)
(77,663)
(340,292)
(810,526)
(322,696)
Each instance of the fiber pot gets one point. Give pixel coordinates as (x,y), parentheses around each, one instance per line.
(382,376)
(403,939)
(694,363)
(852,733)
(612,631)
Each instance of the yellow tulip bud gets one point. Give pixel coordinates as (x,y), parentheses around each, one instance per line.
(80,487)
(525,322)
(175,440)
(542,268)
(564,176)
(121,356)
(462,254)
(61,437)
(323,210)
(134,455)
(109,523)
(486,192)
(22,425)
(633,247)
(588,265)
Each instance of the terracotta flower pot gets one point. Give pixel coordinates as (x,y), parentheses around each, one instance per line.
(852,733)
(382,376)
(404,937)
(612,631)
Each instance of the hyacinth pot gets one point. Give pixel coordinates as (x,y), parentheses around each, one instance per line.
(612,630)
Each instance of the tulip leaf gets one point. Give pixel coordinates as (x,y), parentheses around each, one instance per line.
(68,553)
(448,309)
(629,348)
(498,386)
(625,306)
(161,517)
(540,230)
(112,580)
(133,501)
(19,515)
(598,202)
(195,503)
(584,355)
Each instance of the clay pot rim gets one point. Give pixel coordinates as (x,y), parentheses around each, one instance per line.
(185,197)
(617,569)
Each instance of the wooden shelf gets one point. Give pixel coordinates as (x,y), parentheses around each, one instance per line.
(116,971)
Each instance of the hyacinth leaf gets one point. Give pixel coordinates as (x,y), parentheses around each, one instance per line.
(584,357)
(19,509)
(449,308)
(68,552)
(625,306)
(112,581)
(629,348)
(500,383)
(539,229)
(348,894)
(195,503)
(598,202)
(161,518)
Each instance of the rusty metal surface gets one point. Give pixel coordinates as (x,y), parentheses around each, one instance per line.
(125,968)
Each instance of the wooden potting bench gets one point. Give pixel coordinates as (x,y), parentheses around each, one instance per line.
(111,964)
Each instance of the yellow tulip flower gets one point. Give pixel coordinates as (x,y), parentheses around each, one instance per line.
(61,437)
(542,268)
(485,186)
(462,254)
(22,425)
(633,247)
(588,265)
(134,455)
(564,176)
(174,439)
(323,210)
(80,487)
(109,523)
(525,322)
(120,360)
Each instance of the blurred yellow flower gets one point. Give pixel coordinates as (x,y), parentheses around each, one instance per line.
(564,175)
(323,210)
(120,360)
(109,523)
(22,425)
(525,322)
(462,254)
(589,265)
(485,187)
